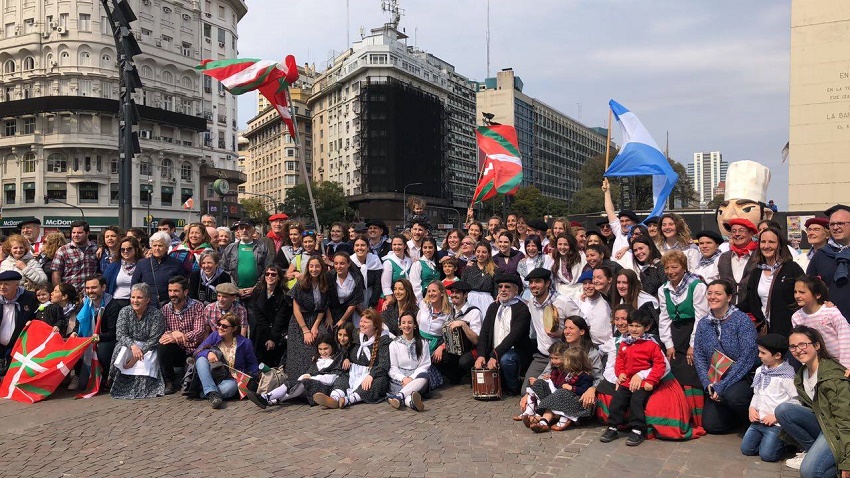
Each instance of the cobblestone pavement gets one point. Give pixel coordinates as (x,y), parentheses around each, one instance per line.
(456,435)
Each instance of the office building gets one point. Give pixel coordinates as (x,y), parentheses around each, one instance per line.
(706,172)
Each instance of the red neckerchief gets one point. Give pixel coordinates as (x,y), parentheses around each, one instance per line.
(278,241)
(743,251)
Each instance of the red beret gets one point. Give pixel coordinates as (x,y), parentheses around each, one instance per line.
(820,221)
(278,217)
(576,224)
(739,221)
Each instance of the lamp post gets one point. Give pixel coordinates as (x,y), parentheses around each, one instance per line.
(47,200)
(267,196)
(431,206)
(404,200)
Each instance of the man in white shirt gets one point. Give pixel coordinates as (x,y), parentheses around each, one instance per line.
(467,318)
(595,310)
(620,224)
(543,297)
(414,245)
(31,229)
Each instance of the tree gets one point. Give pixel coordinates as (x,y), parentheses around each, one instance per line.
(331,205)
(529,202)
(715,202)
(255,209)
(590,198)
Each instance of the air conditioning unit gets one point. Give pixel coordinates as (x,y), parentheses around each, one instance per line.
(187,17)
(17,30)
(221,44)
(208,14)
(158,43)
(53,25)
(207,89)
(207,39)
(221,93)
(45,35)
(57,169)
(62,30)
(145,134)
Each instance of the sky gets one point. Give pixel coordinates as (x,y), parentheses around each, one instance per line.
(714,75)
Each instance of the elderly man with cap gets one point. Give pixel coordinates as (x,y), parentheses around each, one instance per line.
(736,264)
(817,235)
(31,229)
(18,308)
(245,259)
(226,302)
(277,235)
(832,261)
(548,309)
(709,248)
(377,232)
(595,309)
(504,339)
(460,334)
(620,224)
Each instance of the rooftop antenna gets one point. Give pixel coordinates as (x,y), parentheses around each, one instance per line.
(488,38)
(578,107)
(391,7)
(347,23)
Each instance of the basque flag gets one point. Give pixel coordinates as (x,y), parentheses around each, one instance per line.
(641,156)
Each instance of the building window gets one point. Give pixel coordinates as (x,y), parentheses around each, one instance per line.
(29,163)
(166,195)
(84,23)
(29,125)
(11,127)
(113,193)
(9,189)
(57,191)
(145,168)
(56,163)
(291,166)
(222,37)
(29,192)
(167,77)
(185,194)
(105,61)
(29,63)
(207,30)
(186,49)
(88,192)
(85,58)
(186,171)
(145,194)
(166,169)
(113,166)
(87,163)
(9,67)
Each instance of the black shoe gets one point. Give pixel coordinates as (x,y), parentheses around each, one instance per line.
(170,389)
(609,435)
(635,439)
(215,400)
(257,399)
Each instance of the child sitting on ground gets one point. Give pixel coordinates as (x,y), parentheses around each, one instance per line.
(639,351)
(548,382)
(773,384)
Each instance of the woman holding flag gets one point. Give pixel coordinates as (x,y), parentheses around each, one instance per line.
(224,350)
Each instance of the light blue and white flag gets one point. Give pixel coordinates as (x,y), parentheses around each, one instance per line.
(641,156)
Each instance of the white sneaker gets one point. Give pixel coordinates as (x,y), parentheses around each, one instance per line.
(75,383)
(796,462)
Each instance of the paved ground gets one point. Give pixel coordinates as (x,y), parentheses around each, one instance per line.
(172,436)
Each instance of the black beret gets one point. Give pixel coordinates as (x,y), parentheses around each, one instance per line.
(837,207)
(773,342)
(538,225)
(602,223)
(460,286)
(652,220)
(711,235)
(508,278)
(378,223)
(29,220)
(629,214)
(539,273)
(10,275)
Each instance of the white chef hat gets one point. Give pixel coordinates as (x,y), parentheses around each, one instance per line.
(747,180)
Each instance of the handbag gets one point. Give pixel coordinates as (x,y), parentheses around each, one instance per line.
(720,364)
(271,379)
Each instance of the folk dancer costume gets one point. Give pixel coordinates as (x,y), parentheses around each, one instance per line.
(770,298)
(482,284)
(422,273)
(456,363)
(145,334)
(404,363)
(298,355)
(342,295)
(706,267)
(682,308)
(431,324)
(528,264)
(668,413)
(370,272)
(365,362)
(322,374)
(565,279)
(507,263)
(395,268)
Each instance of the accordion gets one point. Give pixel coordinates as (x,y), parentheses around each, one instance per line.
(457,343)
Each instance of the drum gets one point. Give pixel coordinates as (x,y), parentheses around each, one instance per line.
(486,384)
(457,343)
(551,319)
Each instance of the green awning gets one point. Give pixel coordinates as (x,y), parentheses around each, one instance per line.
(8,187)
(147,187)
(56,186)
(168,190)
(29,186)
(186,191)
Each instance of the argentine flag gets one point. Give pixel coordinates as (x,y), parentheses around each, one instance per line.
(640,156)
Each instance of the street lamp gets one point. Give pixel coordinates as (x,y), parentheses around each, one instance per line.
(404,200)
(267,196)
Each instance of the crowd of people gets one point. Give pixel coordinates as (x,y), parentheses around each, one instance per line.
(644,326)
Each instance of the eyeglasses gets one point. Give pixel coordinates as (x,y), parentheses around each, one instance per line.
(801,346)
(840,224)
(223,326)
(271,274)
(739,230)
(127,249)
(504,286)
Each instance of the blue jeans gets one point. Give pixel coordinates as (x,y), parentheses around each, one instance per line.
(763,441)
(819,461)
(509,362)
(802,425)
(226,388)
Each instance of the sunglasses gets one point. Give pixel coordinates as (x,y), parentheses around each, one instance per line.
(223,326)
(271,274)
(127,249)
(308,233)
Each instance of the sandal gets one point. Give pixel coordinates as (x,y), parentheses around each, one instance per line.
(560,428)
(529,420)
(539,427)
(518,418)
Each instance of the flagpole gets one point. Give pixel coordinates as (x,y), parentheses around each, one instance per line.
(608,141)
(301,155)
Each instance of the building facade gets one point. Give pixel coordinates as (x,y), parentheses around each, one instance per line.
(819,133)
(554,147)
(273,159)
(391,120)
(706,172)
(59,81)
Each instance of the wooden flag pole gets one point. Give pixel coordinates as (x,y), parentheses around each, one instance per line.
(301,156)
(608,141)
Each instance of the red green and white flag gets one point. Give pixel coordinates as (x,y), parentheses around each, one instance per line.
(242,380)
(270,78)
(502,167)
(41,359)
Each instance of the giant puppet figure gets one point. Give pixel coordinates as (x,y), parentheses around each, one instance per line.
(745,196)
